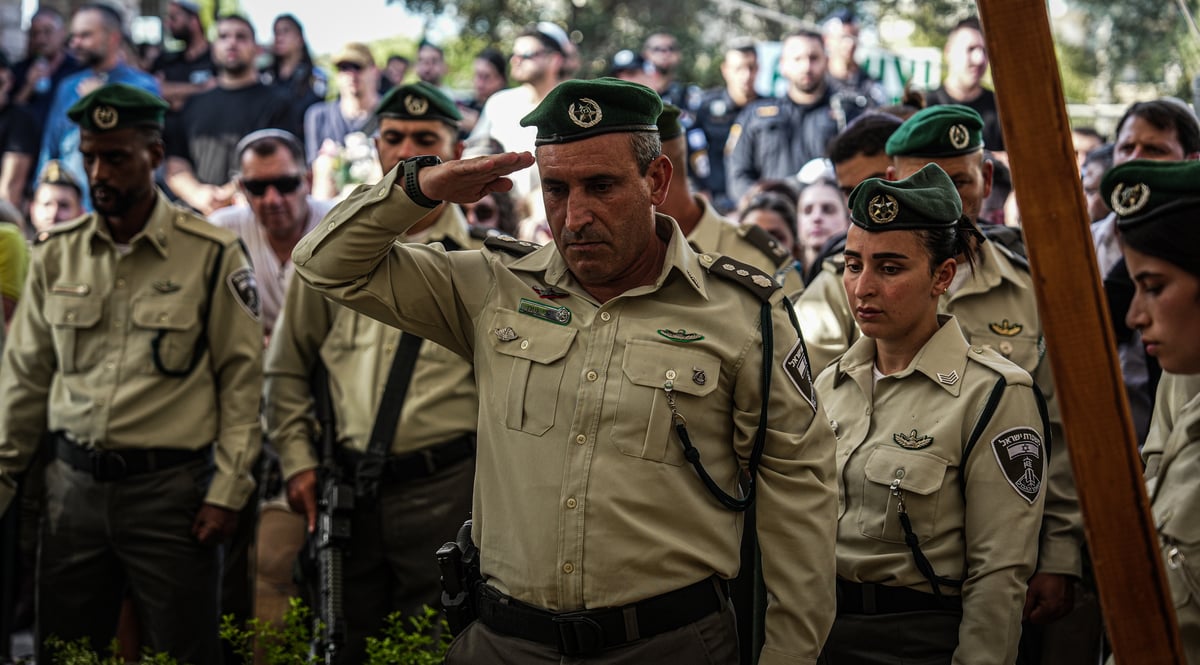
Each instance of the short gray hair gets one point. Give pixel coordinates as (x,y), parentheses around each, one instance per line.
(647,146)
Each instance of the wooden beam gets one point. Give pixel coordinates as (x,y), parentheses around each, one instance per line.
(1080,340)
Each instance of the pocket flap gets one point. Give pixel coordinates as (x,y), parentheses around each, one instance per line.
(69,311)
(522,336)
(165,314)
(918,472)
(652,364)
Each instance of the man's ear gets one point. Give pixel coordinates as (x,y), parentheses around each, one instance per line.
(659,175)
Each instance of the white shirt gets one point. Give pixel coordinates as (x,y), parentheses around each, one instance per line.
(501,120)
(271,275)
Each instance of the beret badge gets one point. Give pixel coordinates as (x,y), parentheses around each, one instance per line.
(105,117)
(416,105)
(1128,200)
(960,137)
(883,208)
(585,113)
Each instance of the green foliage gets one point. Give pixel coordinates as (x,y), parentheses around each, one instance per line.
(286,645)
(79,652)
(423,642)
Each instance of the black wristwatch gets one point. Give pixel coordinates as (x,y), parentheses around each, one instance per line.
(411,186)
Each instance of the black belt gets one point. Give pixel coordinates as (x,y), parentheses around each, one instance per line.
(591,631)
(111,465)
(422,463)
(856,598)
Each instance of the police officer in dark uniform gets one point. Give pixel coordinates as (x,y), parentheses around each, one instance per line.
(715,115)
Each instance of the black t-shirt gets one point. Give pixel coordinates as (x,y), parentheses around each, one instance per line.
(206,132)
(176,68)
(18,131)
(985,105)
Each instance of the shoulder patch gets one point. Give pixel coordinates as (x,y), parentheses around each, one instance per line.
(1013,374)
(767,111)
(1020,454)
(798,371)
(765,243)
(245,290)
(510,245)
(762,285)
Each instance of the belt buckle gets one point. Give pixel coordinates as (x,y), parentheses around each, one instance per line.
(108,466)
(578,634)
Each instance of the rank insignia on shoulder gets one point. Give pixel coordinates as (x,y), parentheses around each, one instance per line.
(558,315)
(948,379)
(245,290)
(681,335)
(1019,454)
(549,292)
(796,367)
(767,111)
(1005,328)
(506,334)
(912,440)
(510,245)
(166,286)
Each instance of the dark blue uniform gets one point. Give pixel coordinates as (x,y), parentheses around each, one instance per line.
(715,115)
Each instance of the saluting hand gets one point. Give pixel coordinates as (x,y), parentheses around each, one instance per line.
(214,524)
(302,496)
(468,180)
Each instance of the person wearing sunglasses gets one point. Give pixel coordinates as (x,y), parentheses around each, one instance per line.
(326,125)
(409,403)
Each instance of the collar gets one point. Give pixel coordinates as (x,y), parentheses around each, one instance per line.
(680,257)
(942,360)
(154,232)
(991,269)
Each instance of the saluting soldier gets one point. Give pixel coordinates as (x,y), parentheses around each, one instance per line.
(1156,204)
(136,354)
(941,482)
(993,301)
(599,360)
(427,448)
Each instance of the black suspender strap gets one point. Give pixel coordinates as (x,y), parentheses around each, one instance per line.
(370,467)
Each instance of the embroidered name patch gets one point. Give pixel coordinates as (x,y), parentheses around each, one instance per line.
(1019,453)
(559,315)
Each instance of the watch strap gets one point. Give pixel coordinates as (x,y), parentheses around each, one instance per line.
(412,186)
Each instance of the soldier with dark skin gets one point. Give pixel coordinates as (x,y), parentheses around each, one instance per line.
(138,361)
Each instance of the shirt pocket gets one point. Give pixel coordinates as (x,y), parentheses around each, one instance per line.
(642,425)
(535,360)
(167,330)
(73,321)
(919,475)
(1179,531)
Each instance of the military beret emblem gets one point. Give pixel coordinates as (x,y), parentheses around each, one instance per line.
(416,105)
(1127,200)
(883,208)
(585,113)
(105,117)
(959,136)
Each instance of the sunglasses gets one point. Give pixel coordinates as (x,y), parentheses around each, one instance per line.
(528,55)
(349,67)
(484,212)
(285,185)
(664,49)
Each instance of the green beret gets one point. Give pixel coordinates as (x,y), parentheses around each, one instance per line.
(418,101)
(925,200)
(117,106)
(1157,205)
(576,110)
(938,131)
(668,122)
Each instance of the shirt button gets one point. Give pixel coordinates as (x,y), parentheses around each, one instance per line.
(592,376)
(581,439)
(568,567)
(524,344)
(571,503)
(899,473)
(70,316)
(671,374)
(120,283)
(389,348)
(109,365)
(1006,348)
(870,410)
(605,316)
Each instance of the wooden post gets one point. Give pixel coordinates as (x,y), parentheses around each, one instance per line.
(1080,340)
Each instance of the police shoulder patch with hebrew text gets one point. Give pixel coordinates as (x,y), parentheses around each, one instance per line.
(1021,456)
(245,290)
(798,371)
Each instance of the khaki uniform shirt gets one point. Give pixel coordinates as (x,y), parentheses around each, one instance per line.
(81,356)
(582,496)
(974,517)
(996,308)
(441,403)
(749,244)
(1172,455)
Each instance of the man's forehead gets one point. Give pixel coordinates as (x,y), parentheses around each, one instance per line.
(280,162)
(410,126)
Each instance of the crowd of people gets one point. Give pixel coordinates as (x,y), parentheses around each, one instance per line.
(716,375)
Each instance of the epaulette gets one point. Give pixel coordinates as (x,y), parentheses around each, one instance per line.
(765,243)
(992,359)
(510,245)
(752,279)
(1009,241)
(60,229)
(481,232)
(198,226)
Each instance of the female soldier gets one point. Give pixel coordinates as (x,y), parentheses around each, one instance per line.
(1156,205)
(941,483)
